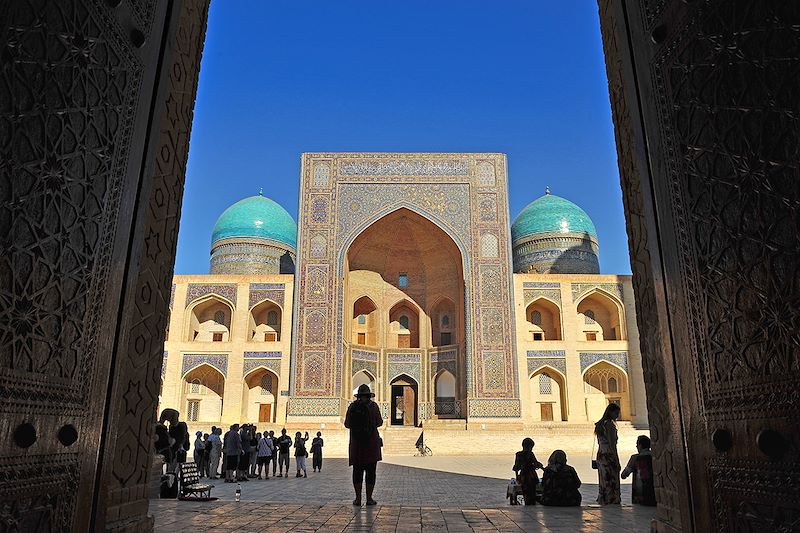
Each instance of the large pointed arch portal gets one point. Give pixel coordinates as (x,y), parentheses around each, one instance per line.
(406,265)
(435,228)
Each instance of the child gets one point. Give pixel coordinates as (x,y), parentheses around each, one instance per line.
(525,465)
(640,465)
(300,453)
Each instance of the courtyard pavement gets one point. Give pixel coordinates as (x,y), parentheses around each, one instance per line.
(414,494)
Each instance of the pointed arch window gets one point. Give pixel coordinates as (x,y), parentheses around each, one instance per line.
(446,321)
(272,318)
(536,318)
(219,317)
(545,384)
(403,320)
(589,314)
(362,320)
(266,384)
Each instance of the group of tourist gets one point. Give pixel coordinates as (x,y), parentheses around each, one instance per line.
(243,453)
(560,482)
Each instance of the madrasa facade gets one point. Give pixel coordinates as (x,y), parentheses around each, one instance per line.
(403,272)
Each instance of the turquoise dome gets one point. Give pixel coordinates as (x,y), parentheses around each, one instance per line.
(551,214)
(256,217)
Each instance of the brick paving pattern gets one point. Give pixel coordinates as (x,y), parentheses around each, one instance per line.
(410,499)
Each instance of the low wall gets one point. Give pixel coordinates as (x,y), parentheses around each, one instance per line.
(572,438)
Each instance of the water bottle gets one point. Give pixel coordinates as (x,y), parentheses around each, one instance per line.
(238,492)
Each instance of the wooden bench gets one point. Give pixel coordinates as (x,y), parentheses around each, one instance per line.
(190,483)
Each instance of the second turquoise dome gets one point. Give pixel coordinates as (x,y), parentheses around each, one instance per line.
(258,218)
(551,214)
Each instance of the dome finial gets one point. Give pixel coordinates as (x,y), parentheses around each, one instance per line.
(547,189)
(261,191)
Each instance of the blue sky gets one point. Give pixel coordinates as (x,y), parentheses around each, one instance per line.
(283,77)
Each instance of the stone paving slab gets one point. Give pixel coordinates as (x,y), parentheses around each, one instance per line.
(411,499)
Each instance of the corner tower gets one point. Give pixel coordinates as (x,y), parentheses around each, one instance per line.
(554,236)
(254,236)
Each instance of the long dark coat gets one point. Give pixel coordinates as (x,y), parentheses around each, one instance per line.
(369,450)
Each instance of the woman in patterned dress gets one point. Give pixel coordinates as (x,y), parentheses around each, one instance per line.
(608,467)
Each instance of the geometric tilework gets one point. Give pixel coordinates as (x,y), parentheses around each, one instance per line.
(271,364)
(362,355)
(578,289)
(411,369)
(216,360)
(618,358)
(263,355)
(491,408)
(535,290)
(314,406)
(226,290)
(359,365)
(535,363)
(546,353)
(266,291)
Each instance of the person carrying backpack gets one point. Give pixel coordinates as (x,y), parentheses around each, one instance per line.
(363,420)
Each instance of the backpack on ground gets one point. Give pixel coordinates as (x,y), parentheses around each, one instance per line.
(361,424)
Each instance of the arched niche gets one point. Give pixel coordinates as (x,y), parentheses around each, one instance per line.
(543,320)
(403,325)
(549,395)
(201,397)
(444,387)
(210,320)
(265,322)
(363,377)
(600,317)
(606,383)
(364,325)
(443,323)
(259,396)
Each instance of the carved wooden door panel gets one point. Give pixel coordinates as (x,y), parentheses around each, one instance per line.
(77,86)
(715,89)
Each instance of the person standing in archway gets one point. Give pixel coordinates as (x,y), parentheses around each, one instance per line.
(363,420)
(607,461)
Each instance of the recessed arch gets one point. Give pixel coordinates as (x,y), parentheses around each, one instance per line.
(266,321)
(543,319)
(365,321)
(260,388)
(548,388)
(203,319)
(203,388)
(445,389)
(363,377)
(605,382)
(404,318)
(601,315)
(443,320)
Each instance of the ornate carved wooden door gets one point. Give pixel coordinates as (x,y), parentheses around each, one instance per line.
(706,104)
(90,195)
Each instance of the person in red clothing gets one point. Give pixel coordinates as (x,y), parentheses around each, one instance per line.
(363,420)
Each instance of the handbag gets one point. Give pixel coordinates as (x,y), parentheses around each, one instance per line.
(594,461)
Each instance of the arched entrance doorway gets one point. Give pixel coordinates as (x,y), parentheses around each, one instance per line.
(259,396)
(548,392)
(403,405)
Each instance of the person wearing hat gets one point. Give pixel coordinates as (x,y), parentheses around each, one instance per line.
(363,420)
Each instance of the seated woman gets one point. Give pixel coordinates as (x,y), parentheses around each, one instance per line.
(560,482)
(640,465)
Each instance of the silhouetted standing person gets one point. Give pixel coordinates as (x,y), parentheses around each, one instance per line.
(363,419)
(316,452)
(643,491)
(607,458)
(525,465)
